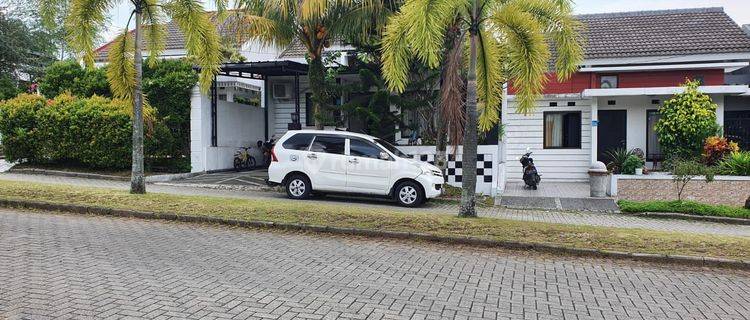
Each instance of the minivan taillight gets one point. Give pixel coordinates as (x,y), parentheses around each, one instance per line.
(273,155)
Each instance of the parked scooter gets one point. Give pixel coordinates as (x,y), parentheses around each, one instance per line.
(530,176)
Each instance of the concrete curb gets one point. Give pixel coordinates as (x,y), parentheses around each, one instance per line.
(69,174)
(149,179)
(515,245)
(692,217)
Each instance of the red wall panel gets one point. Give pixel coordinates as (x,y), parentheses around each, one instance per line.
(646,79)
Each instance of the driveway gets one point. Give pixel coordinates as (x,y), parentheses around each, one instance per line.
(78,267)
(253,179)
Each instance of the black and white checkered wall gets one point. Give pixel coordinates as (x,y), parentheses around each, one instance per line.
(454,169)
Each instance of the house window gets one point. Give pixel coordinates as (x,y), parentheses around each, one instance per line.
(608,82)
(701,79)
(562,130)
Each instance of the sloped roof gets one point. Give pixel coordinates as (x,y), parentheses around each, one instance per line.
(662,32)
(612,35)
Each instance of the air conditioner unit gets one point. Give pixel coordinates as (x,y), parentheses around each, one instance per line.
(282,91)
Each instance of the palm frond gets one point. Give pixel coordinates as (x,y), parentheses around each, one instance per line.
(48,10)
(83,23)
(313,9)
(396,56)
(489,79)
(527,53)
(201,37)
(426,22)
(154,30)
(564,31)
(121,67)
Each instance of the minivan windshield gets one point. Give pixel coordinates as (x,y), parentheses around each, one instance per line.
(391,148)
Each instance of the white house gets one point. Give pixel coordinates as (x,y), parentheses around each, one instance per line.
(633,61)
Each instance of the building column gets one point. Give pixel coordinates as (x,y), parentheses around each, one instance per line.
(501,146)
(594,128)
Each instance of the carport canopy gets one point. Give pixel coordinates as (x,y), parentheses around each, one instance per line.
(260,70)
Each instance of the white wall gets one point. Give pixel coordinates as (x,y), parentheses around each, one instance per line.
(524,131)
(238,125)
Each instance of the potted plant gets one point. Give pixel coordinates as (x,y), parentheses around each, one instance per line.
(633,165)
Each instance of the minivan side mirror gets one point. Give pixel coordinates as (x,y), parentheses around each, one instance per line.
(384,156)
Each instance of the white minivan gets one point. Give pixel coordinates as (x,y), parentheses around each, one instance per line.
(307,161)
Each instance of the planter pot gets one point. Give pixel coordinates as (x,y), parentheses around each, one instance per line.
(639,171)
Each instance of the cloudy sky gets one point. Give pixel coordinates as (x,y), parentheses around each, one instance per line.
(739,10)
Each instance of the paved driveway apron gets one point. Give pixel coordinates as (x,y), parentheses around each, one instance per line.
(71,266)
(579,218)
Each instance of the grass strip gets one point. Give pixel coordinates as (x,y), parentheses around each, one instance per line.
(687,207)
(387,219)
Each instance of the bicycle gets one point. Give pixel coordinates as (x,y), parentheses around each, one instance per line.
(243,159)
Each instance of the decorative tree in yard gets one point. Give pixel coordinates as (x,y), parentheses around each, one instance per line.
(508,40)
(315,24)
(124,72)
(687,119)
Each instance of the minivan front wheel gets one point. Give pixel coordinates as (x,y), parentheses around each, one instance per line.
(298,187)
(409,194)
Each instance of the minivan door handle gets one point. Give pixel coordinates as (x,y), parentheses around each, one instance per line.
(353,160)
(312,156)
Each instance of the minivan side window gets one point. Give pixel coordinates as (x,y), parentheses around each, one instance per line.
(328,144)
(298,141)
(361,148)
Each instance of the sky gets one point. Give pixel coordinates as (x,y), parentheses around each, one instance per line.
(739,10)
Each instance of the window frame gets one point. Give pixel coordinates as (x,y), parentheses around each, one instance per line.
(312,142)
(299,134)
(615,76)
(544,129)
(349,149)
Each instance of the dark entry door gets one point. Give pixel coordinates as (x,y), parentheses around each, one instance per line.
(611,132)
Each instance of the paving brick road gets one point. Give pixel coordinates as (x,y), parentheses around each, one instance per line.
(576,218)
(72,266)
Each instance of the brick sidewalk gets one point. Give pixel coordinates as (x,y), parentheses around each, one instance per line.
(576,218)
(84,267)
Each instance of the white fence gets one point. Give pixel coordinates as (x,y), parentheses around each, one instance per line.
(488,166)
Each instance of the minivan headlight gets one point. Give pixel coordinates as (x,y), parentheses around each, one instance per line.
(432,172)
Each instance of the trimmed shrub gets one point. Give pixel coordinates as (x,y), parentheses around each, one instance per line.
(687,119)
(95,132)
(18,125)
(69,76)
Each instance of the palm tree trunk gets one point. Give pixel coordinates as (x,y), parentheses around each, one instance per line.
(137,182)
(469,158)
(316,72)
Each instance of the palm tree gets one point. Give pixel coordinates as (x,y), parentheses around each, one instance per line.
(85,19)
(314,23)
(508,41)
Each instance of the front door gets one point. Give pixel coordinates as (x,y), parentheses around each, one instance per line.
(611,132)
(326,163)
(366,172)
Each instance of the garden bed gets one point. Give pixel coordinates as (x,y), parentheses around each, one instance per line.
(686,207)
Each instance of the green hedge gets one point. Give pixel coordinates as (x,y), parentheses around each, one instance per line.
(167,85)
(94,132)
(688,207)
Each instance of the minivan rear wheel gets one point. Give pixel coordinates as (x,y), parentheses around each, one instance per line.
(409,194)
(298,187)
